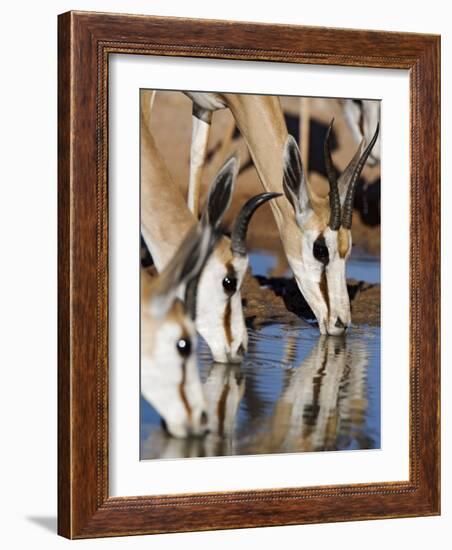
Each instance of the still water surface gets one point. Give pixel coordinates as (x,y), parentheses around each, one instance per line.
(296,391)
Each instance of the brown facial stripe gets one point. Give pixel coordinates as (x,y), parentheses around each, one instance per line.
(227,322)
(221,409)
(182,394)
(343,241)
(324,289)
(231,273)
(177,315)
(311,411)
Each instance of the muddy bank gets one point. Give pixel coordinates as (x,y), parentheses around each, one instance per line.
(269,300)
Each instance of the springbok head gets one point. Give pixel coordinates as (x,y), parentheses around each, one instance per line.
(326,238)
(169,375)
(220,319)
(362,117)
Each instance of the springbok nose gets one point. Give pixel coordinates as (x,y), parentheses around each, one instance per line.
(164,425)
(204,418)
(340,324)
(202,429)
(241,350)
(236,357)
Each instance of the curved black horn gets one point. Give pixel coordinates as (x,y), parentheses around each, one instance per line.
(335,201)
(347,209)
(238,235)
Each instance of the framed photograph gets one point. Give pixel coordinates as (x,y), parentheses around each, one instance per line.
(249,259)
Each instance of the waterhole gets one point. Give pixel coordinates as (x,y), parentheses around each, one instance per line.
(296,391)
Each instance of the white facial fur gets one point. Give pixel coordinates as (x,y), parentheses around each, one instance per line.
(169,381)
(339,301)
(225,334)
(308,272)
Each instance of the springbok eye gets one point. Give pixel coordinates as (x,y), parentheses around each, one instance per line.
(320,250)
(184,347)
(230,284)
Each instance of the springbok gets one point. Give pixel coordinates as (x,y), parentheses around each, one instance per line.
(315,235)
(170,379)
(325,229)
(165,218)
(322,406)
(224,388)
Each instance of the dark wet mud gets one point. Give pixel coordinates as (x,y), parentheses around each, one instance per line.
(270,300)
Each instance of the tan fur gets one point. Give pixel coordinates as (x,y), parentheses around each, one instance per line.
(317,221)
(149,324)
(261,122)
(161,198)
(291,237)
(321,207)
(177,315)
(223,250)
(343,242)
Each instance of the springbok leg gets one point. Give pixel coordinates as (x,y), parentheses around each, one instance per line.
(201,120)
(225,147)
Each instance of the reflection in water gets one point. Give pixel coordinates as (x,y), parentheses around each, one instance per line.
(298,392)
(308,413)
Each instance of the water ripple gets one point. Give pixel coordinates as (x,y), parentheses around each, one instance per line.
(295,391)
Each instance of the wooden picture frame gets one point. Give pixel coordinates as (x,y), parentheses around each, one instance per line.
(85,42)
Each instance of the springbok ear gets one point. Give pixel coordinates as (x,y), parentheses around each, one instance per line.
(184,268)
(294,179)
(220,193)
